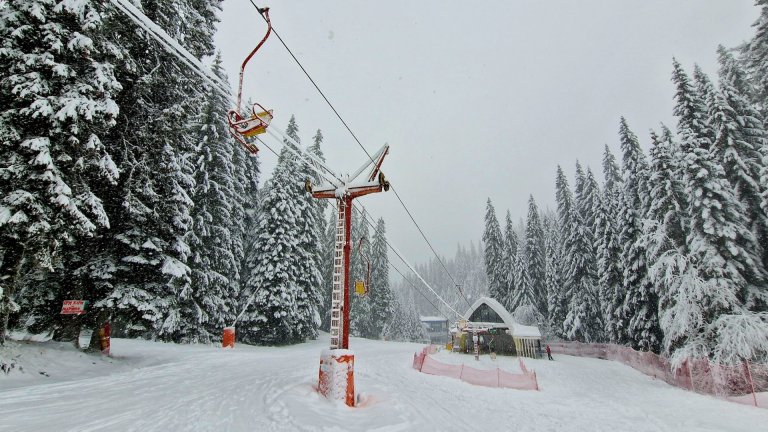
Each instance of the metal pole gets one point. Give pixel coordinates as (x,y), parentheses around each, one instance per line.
(347,254)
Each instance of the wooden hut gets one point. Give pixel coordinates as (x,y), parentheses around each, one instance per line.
(497,331)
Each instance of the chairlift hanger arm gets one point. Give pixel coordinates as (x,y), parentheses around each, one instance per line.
(265,13)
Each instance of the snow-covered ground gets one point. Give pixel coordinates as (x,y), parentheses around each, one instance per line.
(151,386)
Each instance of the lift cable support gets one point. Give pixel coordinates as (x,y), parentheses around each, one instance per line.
(360,144)
(344,192)
(337,364)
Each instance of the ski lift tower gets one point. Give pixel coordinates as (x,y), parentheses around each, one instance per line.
(337,364)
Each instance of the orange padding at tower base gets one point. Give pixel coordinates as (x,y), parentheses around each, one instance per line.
(228,341)
(337,375)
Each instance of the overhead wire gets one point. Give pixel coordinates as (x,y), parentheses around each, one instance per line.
(197,67)
(363,213)
(360,144)
(170,44)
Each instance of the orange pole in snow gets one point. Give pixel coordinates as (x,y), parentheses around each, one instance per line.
(228,340)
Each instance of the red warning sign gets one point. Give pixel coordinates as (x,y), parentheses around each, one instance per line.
(73,307)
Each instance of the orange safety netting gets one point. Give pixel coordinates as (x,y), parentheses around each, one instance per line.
(741,383)
(487,378)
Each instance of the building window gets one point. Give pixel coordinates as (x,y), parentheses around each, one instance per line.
(484,313)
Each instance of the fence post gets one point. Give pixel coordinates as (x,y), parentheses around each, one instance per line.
(461,374)
(751,383)
(690,374)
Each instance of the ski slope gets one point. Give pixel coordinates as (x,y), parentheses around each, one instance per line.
(151,386)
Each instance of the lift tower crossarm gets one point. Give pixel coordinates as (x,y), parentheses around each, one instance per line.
(374,180)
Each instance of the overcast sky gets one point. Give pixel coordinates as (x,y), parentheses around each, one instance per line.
(476,99)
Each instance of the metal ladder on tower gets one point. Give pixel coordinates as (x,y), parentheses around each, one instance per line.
(337,293)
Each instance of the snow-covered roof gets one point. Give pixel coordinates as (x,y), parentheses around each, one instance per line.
(432,318)
(518,330)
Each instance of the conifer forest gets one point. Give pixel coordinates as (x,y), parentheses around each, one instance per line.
(121,185)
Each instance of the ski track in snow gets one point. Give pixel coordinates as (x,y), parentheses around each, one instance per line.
(167,387)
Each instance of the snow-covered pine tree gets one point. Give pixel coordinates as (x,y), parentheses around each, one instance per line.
(565,224)
(707,94)
(739,138)
(589,204)
(316,150)
(666,203)
(594,210)
(509,259)
(582,321)
(535,255)
(405,324)
(691,113)
(609,265)
(309,229)
(382,298)
(755,56)
(664,229)
(494,250)
(153,146)
(639,312)
(554,277)
(245,216)
(57,103)
(470,272)
(275,262)
(611,170)
(215,268)
(578,187)
(523,296)
(707,316)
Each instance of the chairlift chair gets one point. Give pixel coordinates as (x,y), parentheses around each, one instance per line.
(362,287)
(244,129)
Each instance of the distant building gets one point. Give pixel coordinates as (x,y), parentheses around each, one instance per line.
(437,329)
(497,331)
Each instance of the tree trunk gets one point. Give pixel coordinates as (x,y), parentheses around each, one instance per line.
(10,272)
(69,325)
(101,317)
(5,309)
